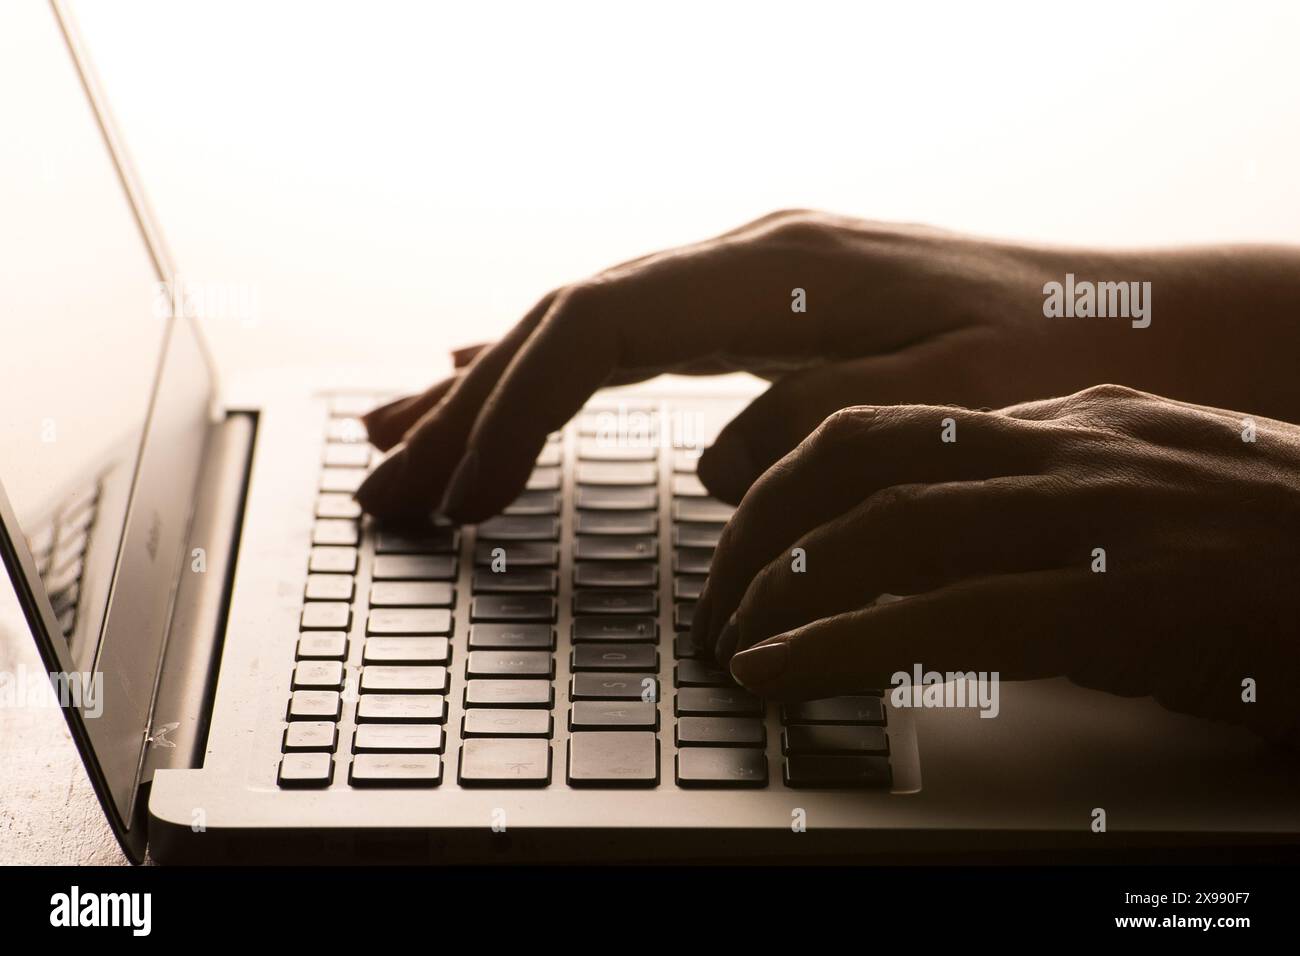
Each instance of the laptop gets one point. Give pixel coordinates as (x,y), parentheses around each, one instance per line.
(253,671)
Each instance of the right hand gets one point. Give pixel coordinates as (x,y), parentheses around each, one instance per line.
(895,314)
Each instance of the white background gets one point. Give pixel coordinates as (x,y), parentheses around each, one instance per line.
(397,177)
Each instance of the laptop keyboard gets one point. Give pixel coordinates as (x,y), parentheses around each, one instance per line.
(548,646)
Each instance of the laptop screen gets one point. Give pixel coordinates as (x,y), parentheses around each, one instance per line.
(104,402)
(80,340)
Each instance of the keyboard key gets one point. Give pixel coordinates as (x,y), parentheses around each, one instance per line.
(335,531)
(506,723)
(692,560)
(345,429)
(508,693)
(615,574)
(511,608)
(685,460)
(318,675)
(720,732)
(401,709)
(342,480)
(831,739)
(397,738)
(395,770)
(709,767)
(552,454)
(306,770)
(614,657)
(702,510)
(323,645)
(617,686)
(592,449)
(687,587)
(414,621)
(407,650)
(346,454)
(441,540)
(614,628)
(599,498)
(837,771)
(624,424)
(534,503)
(414,567)
(686,648)
(688,486)
(520,554)
(397,679)
(683,615)
(609,601)
(326,616)
(311,736)
(330,505)
(543,479)
(412,594)
(697,535)
(617,473)
(616,522)
(315,705)
(515,581)
(835,710)
(701,674)
(510,664)
(520,528)
(612,715)
(330,587)
(613,759)
(616,548)
(711,701)
(512,636)
(505,762)
(333,560)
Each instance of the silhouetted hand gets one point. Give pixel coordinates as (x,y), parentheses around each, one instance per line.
(895,314)
(1132,543)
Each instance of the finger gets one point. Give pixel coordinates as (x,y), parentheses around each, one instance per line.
(1021,626)
(661,316)
(411,481)
(386,425)
(853,454)
(909,539)
(931,372)
(460,358)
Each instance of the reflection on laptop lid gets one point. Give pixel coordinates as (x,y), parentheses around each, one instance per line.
(104,406)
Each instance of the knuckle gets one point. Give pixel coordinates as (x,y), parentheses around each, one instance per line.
(844,426)
(892,506)
(581,300)
(1108,392)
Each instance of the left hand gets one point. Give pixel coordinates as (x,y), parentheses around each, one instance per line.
(997,539)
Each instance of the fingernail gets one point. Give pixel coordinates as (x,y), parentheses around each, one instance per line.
(726,643)
(761,664)
(460,486)
(376,493)
(727,469)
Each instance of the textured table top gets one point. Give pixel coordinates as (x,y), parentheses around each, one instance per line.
(48,811)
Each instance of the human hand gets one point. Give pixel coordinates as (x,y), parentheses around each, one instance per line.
(994,537)
(894,314)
